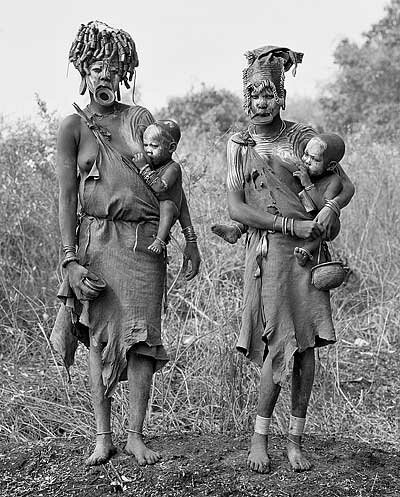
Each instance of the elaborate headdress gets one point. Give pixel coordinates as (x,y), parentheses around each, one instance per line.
(98,41)
(266,68)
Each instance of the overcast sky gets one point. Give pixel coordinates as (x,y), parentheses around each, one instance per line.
(180,43)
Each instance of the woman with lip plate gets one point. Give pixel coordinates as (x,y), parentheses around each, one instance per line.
(284,316)
(118,220)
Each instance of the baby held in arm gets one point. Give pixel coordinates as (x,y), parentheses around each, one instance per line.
(321,185)
(316,174)
(162,174)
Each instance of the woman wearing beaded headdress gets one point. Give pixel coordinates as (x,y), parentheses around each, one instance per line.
(284,316)
(118,219)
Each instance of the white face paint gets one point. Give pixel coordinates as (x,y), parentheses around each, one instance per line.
(313,157)
(264,106)
(103,81)
(157,148)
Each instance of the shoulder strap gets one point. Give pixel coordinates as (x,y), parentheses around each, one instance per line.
(99,131)
(243,138)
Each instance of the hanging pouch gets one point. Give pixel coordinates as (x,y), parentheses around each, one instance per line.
(328,275)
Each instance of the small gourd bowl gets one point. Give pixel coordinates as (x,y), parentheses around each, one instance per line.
(328,275)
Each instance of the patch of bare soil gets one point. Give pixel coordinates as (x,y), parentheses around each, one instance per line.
(194,465)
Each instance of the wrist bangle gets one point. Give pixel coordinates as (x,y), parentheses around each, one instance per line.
(285,223)
(274,223)
(67,249)
(189,234)
(69,259)
(292,227)
(309,187)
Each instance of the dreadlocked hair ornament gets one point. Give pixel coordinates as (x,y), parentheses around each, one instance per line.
(96,41)
(266,69)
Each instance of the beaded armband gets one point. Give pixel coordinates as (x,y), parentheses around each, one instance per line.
(148,175)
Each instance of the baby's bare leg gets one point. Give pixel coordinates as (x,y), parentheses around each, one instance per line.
(307,251)
(168,215)
(229,232)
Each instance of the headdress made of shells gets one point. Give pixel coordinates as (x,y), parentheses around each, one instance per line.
(266,68)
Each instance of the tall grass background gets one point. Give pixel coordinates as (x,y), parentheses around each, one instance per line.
(207,386)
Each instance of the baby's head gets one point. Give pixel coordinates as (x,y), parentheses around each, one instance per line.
(322,153)
(160,141)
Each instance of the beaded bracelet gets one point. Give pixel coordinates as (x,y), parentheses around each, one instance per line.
(309,187)
(148,175)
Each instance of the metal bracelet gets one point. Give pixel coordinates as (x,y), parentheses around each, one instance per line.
(292,227)
(69,249)
(274,223)
(284,226)
(189,234)
(333,205)
(67,260)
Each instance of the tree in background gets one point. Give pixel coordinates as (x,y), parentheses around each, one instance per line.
(207,110)
(304,109)
(366,90)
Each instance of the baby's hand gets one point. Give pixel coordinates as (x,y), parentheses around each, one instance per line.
(158,246)
(140,160)
(303,175)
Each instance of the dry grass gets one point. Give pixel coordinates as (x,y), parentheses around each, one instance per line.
(207,386)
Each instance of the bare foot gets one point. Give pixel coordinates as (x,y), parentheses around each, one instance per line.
(103,451)
(137,448)
(302,255)
(230,234)
(258,459)
(296,457)
(156,247)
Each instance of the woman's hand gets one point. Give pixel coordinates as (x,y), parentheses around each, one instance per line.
(303,175)
(308,229)
(192,254)
(76,273)
(329,220)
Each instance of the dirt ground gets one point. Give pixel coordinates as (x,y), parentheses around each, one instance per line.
(194,465)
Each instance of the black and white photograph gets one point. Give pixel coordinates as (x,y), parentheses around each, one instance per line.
(199,248)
